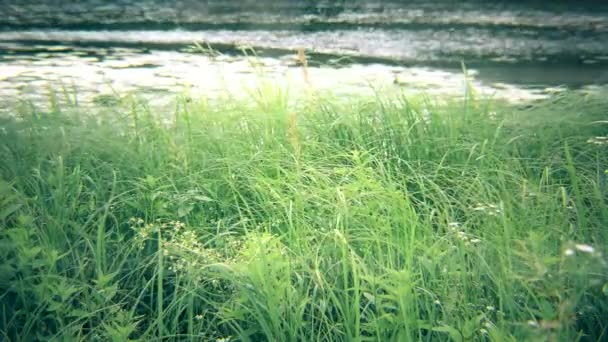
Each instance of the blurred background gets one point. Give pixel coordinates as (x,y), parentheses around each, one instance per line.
(518,50)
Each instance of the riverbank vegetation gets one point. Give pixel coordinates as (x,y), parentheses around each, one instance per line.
(322,219)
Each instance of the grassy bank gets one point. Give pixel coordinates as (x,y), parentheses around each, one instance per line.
(383,219)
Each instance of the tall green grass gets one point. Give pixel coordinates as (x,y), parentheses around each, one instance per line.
(325,219)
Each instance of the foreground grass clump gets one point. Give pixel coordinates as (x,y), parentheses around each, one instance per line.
(322,220)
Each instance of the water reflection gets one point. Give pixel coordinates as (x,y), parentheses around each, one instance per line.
(519,50)
(102,71)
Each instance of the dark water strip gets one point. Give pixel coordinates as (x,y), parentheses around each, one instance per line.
(319,26)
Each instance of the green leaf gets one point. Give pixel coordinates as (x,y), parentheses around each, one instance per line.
(471,326)
(7,274)
(79,313)
(202,198)
(104,279)
(184,210)
(546,310)
(55,306)
(453,332)
(6,212)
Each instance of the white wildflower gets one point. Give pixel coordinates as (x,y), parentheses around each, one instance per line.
(426,116)
(479,207)
(533,323)
(474,241)
(585,248)
(453,225)
(569,252)
(490,209)
(598,140)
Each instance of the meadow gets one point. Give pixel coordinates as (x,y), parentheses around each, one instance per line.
(384,218)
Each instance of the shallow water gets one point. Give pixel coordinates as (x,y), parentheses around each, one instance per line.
(519,51)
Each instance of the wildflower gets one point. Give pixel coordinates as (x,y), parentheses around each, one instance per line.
(533,323)
(199,317)
(370,297)
(479,207)
(493,209)
(453,225)
(426,116)
(177,225)
(474,241)
(569,252)
(339,235)
(598,140)
(461,235)
(490,308)
(585,248)
(490,209)
(492,116)
(437,302)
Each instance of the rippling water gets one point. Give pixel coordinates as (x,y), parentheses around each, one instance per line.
(515,48)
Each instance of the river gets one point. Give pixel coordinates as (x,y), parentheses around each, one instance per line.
(517,50)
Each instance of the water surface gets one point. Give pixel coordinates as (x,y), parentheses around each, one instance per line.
(517,50)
